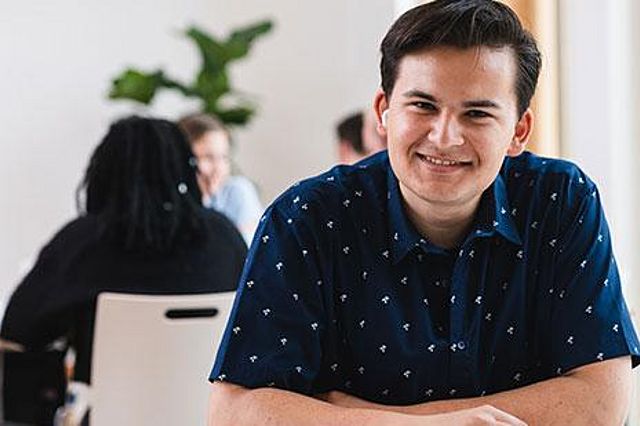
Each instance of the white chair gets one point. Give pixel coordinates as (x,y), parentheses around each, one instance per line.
(152,355)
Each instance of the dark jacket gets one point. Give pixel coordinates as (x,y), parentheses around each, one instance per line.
(57,298)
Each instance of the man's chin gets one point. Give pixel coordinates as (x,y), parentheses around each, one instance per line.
(445,197)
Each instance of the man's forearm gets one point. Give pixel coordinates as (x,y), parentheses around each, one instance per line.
(562,401)
(234,405)
(591,395)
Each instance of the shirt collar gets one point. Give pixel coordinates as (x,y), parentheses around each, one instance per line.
(494,216)
(403,235)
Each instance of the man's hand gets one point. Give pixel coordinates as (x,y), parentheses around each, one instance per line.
(479,416)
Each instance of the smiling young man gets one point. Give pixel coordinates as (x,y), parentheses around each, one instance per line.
(451,117)
(454,279)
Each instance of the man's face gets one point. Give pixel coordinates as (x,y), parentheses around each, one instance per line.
(452,118)
(212,153)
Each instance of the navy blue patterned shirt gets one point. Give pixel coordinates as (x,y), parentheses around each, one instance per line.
(340,291)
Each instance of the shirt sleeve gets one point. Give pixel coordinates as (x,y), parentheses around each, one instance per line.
(590,321)
(280,332)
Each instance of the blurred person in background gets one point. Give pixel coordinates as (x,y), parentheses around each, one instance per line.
(142,230)
(233,195)
(358,138)
(349,136)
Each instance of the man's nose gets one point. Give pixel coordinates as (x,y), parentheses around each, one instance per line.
(445,131)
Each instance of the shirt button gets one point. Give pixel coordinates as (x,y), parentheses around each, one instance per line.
(461,345)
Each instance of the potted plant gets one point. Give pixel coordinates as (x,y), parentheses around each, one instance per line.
(211,85)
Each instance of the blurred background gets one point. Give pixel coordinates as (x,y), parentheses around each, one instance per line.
(319,63)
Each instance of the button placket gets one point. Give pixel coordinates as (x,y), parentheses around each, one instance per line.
(458,343)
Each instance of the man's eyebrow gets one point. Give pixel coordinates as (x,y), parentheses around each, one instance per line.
(481,103)
(415,93)
(477,103)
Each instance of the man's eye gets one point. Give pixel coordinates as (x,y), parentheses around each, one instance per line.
(476,113)
(428,106)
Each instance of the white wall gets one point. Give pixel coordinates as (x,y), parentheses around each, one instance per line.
(598,113)
(600,103)
(58,58)
(402,6)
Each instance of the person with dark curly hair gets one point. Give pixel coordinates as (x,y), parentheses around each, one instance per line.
(141,229)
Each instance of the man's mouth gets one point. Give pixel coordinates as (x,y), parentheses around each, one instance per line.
(443,162)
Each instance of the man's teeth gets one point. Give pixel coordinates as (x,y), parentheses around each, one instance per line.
(440,162)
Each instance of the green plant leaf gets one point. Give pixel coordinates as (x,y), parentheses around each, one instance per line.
(136,85)
(235,116)
(240,41)
(213,53)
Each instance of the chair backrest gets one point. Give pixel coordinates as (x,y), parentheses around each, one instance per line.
(152,355)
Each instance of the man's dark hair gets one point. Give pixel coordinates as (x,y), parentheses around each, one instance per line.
(141,185)
(350,130)
(462,24)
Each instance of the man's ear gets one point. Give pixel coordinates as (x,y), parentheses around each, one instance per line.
(380,105)
(521,134)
